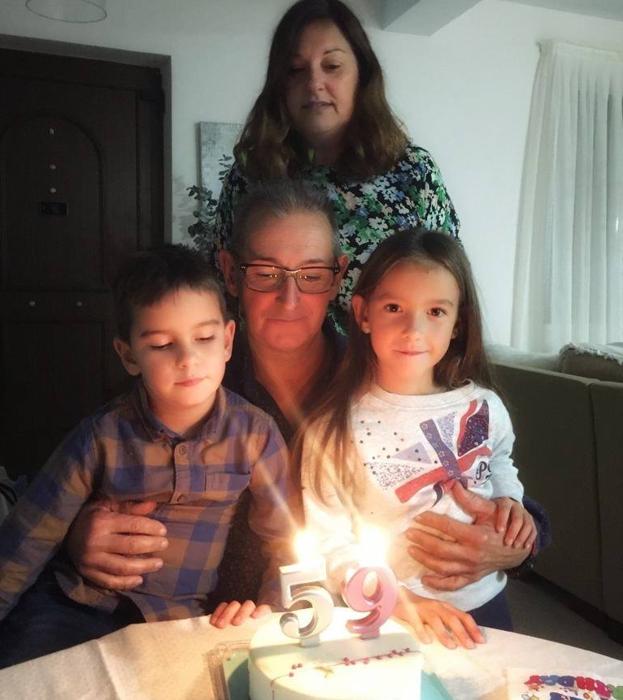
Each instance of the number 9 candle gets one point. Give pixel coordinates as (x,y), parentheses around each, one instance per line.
(380,603)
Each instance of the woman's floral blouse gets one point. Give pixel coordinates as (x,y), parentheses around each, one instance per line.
(411,194)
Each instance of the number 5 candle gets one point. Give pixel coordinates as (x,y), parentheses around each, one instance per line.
(310,569)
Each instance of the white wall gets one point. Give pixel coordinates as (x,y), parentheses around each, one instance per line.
(463,93)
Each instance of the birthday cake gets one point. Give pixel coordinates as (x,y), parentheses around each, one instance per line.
(342,667)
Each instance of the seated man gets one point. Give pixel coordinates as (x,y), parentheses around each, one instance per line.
(287,226)
(179,439)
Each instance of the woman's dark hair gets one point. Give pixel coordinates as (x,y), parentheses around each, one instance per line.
(148,276)
(270,147)
(465,359)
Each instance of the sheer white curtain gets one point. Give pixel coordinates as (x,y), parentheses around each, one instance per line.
(569,259)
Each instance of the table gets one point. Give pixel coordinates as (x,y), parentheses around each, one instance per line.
(168,660)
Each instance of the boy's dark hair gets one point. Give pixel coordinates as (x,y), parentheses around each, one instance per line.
(149,275)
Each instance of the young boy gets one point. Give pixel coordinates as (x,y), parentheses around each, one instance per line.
(178,438)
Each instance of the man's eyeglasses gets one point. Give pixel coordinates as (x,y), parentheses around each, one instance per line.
(309,280)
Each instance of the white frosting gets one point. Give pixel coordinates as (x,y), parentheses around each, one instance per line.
(342,667)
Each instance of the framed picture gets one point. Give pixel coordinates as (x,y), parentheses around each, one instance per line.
(216,143)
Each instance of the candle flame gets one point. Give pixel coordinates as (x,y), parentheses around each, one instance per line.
(373,546)
(305,546)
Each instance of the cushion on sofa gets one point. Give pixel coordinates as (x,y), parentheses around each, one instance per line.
(508,355)
(604,362)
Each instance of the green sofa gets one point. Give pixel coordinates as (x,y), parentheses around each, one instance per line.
(569,439)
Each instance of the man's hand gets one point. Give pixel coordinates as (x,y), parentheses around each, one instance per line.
(461,553)
(110,543)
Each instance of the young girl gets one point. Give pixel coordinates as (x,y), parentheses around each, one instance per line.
(410,413)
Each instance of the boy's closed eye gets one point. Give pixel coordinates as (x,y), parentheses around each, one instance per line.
(169,344)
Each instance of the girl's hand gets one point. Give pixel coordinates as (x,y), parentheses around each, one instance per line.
(235,613)
(517,524)
(451,626)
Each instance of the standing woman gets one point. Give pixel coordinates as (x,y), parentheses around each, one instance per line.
(322,116)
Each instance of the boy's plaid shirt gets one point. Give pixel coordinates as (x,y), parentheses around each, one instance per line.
(124,453)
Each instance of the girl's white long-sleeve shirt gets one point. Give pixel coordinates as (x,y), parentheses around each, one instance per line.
(411,450)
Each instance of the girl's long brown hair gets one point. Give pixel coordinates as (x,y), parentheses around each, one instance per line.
(465,359)
(270,148)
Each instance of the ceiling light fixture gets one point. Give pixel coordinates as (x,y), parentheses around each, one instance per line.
(74,11)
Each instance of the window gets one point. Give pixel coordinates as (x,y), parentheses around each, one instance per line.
(569,260)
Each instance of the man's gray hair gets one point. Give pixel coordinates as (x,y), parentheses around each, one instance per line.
(277,199)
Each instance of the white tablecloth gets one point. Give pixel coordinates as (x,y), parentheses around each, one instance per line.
(168,660)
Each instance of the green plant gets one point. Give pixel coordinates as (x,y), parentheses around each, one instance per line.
(203,230)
